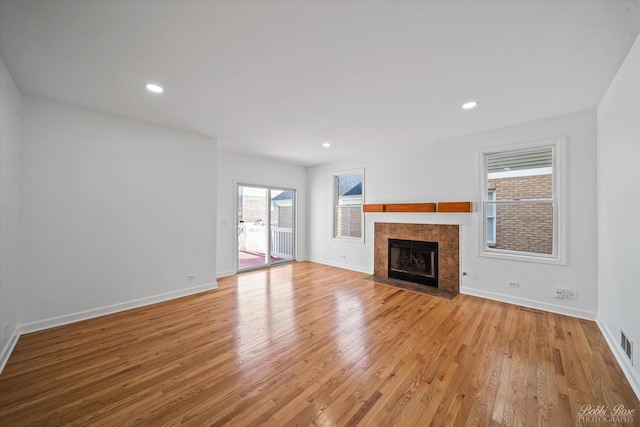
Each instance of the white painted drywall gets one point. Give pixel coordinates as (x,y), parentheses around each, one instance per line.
(113,211)
(447,171)
(236,168)
(10,100)
(619,210)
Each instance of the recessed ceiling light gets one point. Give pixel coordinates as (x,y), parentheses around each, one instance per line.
(326,144)
(154,88)
(469,105)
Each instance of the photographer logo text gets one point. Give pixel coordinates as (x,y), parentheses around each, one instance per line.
(602,414)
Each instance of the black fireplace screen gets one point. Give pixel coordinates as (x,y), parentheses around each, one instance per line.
(414,261)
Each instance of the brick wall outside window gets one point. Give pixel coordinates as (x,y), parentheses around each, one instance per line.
(527,228)
(349,221)
(253,209)
(283,217)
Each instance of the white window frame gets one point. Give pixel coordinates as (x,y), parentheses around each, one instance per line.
(558,255)
(334,204)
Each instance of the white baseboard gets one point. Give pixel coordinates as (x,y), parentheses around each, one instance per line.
(8,348)
(340,265)
(553,308)
(623,361)
(110,309)
(95,312)
(225,273)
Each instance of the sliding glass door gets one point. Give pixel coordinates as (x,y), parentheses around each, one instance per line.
(266,226)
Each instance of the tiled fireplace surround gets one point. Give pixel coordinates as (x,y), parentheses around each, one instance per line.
(447,236)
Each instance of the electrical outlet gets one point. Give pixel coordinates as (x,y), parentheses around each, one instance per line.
(558,293)
(343,256)
(572,294)
(514,284)
(191,277)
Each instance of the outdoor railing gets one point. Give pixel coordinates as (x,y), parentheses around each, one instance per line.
(252,238)
(282,242)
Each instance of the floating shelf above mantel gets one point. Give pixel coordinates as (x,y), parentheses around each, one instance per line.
(463,207)
(410,207)
(454,207)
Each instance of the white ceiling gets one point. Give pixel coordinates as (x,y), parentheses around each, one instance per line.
(278,78)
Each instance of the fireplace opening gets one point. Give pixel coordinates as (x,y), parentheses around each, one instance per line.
(414,261)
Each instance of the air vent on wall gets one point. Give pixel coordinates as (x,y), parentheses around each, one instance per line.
(627,345)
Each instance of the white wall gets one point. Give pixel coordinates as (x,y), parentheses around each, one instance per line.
(447,171)
(115,213)
(619,211)
(10,100)
(244,169)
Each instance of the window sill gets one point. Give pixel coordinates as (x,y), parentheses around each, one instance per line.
(522,257)
(348,239)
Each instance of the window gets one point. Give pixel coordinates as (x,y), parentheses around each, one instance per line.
(491,218)
(522,203)
(348,218)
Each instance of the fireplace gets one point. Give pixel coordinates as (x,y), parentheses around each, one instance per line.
(446,235)
(413,261)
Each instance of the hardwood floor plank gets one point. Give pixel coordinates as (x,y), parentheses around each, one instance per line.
(307,344)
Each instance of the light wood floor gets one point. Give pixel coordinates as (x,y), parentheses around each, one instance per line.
(306,344)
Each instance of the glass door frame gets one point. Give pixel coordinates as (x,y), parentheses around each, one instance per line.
(269,243)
